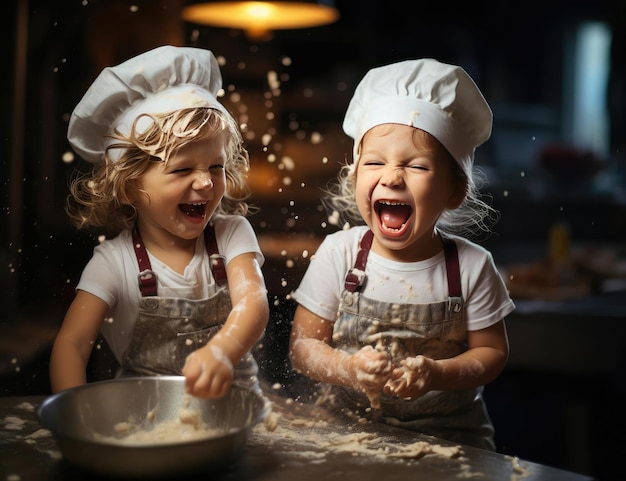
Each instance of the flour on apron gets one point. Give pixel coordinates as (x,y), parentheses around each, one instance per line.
(167,330)
(436,330)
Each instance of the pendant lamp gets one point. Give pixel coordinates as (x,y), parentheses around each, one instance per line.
(259,18)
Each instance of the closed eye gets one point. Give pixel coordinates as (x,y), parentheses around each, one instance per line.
(186,170)
(419,167)
(373,162)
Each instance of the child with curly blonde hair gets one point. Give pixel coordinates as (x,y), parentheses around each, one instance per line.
(178,290)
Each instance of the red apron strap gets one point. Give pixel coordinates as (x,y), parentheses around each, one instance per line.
(147,278)
(356,276)
(218,262)
(453,269)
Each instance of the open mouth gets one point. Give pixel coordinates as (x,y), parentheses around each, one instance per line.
(195,210)
(393,215)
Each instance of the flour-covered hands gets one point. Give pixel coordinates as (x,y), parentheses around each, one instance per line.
(208,372)
(370,370)
(412,378)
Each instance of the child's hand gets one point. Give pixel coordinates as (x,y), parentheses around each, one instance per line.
(370,370)
(208,372)
(412,378)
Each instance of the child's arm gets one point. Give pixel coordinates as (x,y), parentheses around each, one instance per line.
(209,370)
(484,360)
(311,354)
(75,340)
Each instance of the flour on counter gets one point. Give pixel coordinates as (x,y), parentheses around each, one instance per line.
(40,433)
(312,432)
(13,423)
(519,472)
(359,443)
(26,406)
(27,431)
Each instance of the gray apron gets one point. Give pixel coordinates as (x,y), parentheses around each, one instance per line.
(167,330)
(436,330)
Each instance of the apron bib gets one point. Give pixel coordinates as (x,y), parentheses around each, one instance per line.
(436,330)
(167,330)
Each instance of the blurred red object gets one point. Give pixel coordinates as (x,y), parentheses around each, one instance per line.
(570,163)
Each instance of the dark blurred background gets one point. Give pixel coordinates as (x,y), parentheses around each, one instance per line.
(553,72)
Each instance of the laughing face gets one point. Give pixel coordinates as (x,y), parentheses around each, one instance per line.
(175,200)
(404,180)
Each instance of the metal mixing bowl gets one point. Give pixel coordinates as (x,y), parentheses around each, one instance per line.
(81,416)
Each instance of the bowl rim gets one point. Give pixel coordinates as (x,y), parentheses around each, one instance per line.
(49,401)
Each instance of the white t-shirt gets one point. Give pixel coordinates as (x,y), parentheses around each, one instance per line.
(111,275)
(485,295)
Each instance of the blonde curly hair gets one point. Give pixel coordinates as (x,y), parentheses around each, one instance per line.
(100,197)
(474,218)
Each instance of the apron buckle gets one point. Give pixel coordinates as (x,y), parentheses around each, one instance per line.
(354,280)
(218,268)
(147,282)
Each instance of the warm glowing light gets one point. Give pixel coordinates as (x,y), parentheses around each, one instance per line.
(259,11)
(258,19)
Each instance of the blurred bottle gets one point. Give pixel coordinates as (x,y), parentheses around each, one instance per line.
(559,243)
(559,254)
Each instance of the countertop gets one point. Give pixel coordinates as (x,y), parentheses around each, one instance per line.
(303,446)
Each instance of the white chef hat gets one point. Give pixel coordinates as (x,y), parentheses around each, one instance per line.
(441,99)
(161,80)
